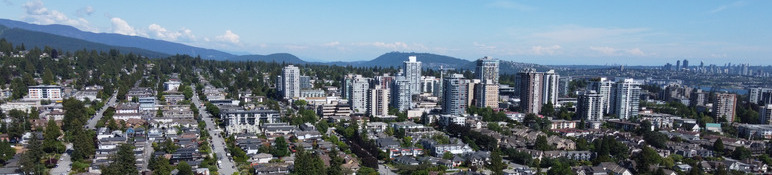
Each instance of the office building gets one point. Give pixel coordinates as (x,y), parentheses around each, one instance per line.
(487,69)
(698,98)
(412,71)
(290,78)
(427,84)
(590,106)
(724,106)
(626,96)
(378,102)
(686,64)
(455,94)
(400,94)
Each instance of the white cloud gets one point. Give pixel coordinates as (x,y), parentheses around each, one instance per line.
(183,34)
(122,27)
(610,51)
(510,5)
(36,12)
(604,50)
(581,34)
(393,46)
(331,44)
(483,46)
(545,50)
(228,37)
(85,11)
(727,6)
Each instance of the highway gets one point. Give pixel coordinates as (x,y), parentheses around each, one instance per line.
(218,143)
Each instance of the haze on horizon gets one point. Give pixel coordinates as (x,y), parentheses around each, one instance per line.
(543,32)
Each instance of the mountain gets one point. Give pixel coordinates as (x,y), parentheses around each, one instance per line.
(277,57)
(39,39)
(395,59)
(159,46)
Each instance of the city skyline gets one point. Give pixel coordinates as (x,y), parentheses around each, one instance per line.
(565,33)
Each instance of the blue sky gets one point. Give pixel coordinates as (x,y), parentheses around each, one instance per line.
(544,32)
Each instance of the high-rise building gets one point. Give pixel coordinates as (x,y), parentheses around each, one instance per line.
(563,86)
(487,69)
(400,93)
(531,87)
(686,64)
(760,95)
(697,98)
(345,89)
(486,94)
(384,81)
(427,84)
(358,97)
(471,85)
(550,87)
(290,82)
(305,82)
(603,87)
(378,102)
(678,65)
(626,96)
(724,106)
(412,71)
(455,95)
(590,106)
(766,114)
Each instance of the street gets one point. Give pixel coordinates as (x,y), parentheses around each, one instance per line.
(65,164)
(93,121)
(218,143)
(384,170)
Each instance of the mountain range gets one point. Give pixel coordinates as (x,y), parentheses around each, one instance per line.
(69,38)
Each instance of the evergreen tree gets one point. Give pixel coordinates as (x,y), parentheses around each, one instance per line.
(718,147)
(123,162)
(83,144)
(281,148)
(335,163)
(48,77)
(184,169)
(542,144)
(6,152)
(51,135)
(497,166)
(30,161)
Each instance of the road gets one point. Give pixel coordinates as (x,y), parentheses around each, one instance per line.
(218,143)
(64,164)
(147,155)
(384,170)
(93,121)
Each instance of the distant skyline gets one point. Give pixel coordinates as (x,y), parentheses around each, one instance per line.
(542,32)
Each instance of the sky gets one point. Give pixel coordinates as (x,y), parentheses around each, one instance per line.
(544,32)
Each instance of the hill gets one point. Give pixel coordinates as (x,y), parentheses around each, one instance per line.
(395,59)
(277,57)
(40,40)
(159,46)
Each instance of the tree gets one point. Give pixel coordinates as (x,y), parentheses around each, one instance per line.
(30,160)
(646,158)
(497,166)
(741,153)
(542,144)
(6,152)
(311,163)
(718,146)
(548,109)
(161,166)
(447,155)
(335,163)
(123,162)
(51,143)
(83,144)
(559,168)
(184,168)
(48,77)
(281,148)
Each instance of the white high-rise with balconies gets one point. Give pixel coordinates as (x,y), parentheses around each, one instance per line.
(626,98)
(412,71)
(550,85)
(290,78)
(358,97)
(590,106)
